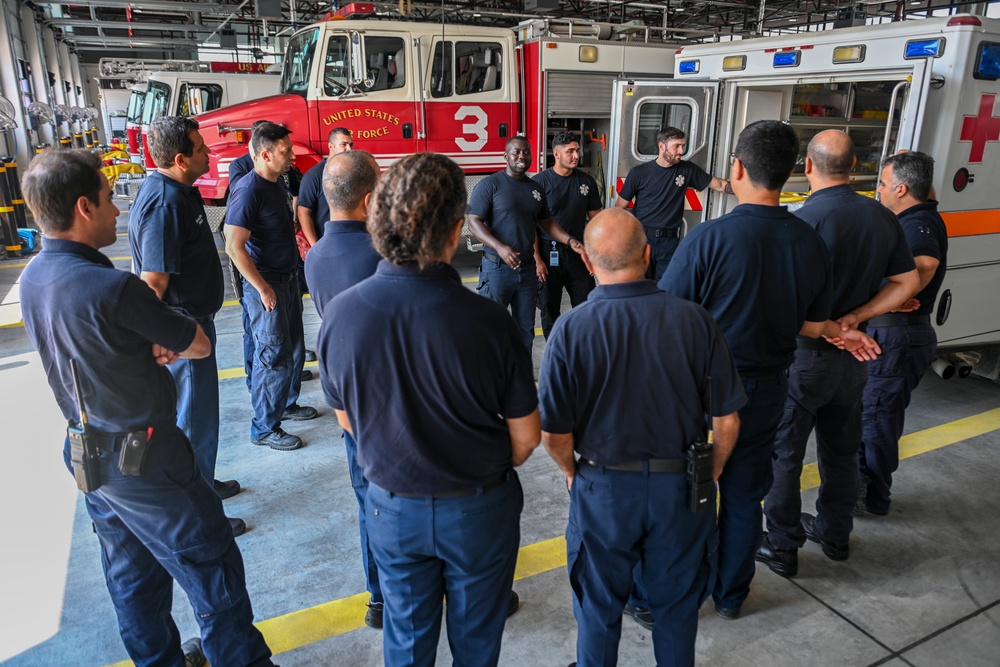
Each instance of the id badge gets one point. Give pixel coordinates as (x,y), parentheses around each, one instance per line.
(554,258)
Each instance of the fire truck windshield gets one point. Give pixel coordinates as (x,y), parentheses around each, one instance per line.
(297,69)
(135,105)
(157,97)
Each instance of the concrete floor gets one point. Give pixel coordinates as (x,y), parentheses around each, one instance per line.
(921,587)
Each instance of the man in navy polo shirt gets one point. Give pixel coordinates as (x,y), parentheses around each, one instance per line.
(313,211)
(866,247)
(573,199)
(764,275)
(504,210)
(174,253)
(239,168)
(436,385)
(342,258)
(625,383)
(165,523)
(260,240)
(346,258)
(907,338)
(658,188)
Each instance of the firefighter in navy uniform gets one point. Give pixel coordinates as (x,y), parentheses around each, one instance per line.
(504,210)
(573,199)
(907,338)
(157,518)
(436,386)
(624,383)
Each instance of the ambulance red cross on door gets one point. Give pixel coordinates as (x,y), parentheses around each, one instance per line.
(981,128)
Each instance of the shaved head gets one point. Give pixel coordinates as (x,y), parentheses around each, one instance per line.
(615,242)
(832,153)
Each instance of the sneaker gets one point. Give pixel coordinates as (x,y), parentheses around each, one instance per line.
(311,356)
(513,604)
(373,617)
(299,413)
(640,615)
(227,489)
(239,526)
(193,655)
(279,440)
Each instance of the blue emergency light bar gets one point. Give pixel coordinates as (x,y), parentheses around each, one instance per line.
(787,59)
(689,67)
(924,48)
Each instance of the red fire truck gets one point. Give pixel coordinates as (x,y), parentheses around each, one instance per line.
(462,91)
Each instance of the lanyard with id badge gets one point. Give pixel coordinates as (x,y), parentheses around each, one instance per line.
(554,255)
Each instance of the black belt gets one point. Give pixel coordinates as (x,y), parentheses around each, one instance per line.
(815,344)
(760,378)
(659,232)
(651,465)
(485,488)
(277,277)
(898,320)
(108,442)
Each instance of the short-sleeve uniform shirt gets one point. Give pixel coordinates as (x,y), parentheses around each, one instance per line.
(261,206)
(168,233)
(570,198)
(760,272)
(311,196)
(76,305)
(927,236)
(865,241)
(626,372)
(427,372)
(659,191)
(239,168)
(511,208)
(341,259)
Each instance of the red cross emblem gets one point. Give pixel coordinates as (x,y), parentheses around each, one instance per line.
(982,128)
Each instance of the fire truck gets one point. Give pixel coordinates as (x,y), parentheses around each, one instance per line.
(133,119)
(929,85)
(189,88)
(404,87)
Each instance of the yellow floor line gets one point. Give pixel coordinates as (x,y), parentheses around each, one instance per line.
(307,626)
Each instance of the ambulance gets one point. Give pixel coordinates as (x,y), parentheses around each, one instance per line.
(929,85)
(460,90)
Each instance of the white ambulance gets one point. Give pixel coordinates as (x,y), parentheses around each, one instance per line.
(929,85)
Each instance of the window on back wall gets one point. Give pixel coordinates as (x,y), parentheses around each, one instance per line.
(653,117)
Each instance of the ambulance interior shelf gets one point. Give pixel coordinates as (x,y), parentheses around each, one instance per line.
(859,108)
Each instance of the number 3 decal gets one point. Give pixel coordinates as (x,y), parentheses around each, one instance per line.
(477,129)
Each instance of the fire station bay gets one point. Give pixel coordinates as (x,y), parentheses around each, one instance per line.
(268,274)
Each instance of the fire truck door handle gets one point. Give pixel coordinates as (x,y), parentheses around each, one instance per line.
(407,130)
(504,130)
(944,307)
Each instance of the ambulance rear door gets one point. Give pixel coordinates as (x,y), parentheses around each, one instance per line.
(640,108)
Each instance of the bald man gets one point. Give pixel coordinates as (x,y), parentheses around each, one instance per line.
(872,273)
(342,258)
(624,383)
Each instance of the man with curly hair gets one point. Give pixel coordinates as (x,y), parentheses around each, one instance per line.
(437,388)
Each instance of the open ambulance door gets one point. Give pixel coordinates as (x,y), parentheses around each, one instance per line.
(914,105)
(640,108)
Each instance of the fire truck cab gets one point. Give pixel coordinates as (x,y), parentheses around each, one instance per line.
(929,85)
(405,87)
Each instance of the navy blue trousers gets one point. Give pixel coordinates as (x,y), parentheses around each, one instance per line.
(824,393)
(516,288)
(907,353)
(197,383)
(661,251)
(617,520)
(744,482)
(463,549)
(279,354)
(167,525)
(571,274)
(360,485)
